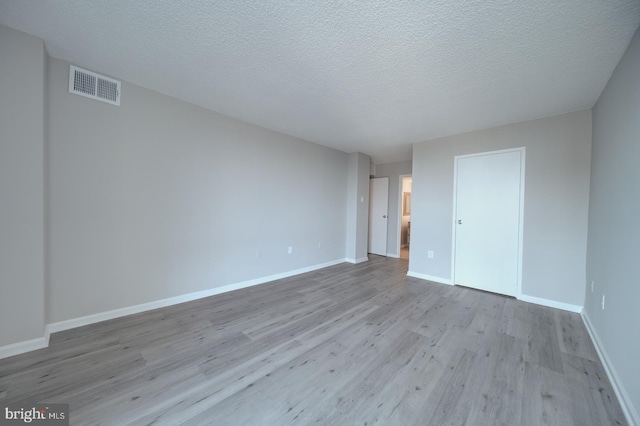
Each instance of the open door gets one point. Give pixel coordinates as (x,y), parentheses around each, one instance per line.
(378,215)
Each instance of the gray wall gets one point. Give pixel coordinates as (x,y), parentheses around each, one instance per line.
(357,210)
(556,201)
(614,233)
(158,198)
(22,74)
(393,171)
(362,231)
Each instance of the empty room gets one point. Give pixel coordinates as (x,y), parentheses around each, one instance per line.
(331,213)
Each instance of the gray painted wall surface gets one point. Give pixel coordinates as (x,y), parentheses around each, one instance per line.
(22,292)
(352,207)
(393,171)
(357,210)
(556,201)
(362,231)
(158,198)
(357,234)
(614,232)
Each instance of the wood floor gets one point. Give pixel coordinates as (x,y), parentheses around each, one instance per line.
(345,345)
(404,253)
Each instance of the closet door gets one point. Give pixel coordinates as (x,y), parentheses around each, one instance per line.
(487,206)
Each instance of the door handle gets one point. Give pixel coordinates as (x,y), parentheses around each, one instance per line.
(384,216)
(459,221)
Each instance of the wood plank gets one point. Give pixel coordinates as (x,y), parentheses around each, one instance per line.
(348,344)
(573,336)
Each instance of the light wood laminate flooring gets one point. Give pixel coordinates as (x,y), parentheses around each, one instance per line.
(404,253)
(346,345)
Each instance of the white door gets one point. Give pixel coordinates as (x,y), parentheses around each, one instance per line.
(378,212)
(488,218)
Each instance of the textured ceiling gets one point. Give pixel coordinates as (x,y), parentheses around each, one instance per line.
(354,75)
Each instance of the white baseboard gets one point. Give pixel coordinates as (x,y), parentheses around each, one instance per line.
(523,297)
(21,347)
(43,342)
(356,261)
(439,280)
(550,303)
(135,309)
(630,412)
(394,255)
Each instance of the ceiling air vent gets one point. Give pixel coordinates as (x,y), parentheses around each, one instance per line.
(94,86)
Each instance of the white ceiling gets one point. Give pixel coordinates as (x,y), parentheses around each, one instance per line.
(360,76)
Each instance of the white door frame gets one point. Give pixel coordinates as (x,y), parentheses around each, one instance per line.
(400,201)
(523,152)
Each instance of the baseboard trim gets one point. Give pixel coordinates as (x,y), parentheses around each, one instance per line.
(356,261)
(18,348)
(135,309)
(523,297)
(628,409)
(432,278)
(550,303)
(43,342)
(394,255)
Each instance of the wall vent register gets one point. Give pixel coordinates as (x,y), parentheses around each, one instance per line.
(95,86)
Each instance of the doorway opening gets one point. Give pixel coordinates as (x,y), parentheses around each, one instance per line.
(404,216)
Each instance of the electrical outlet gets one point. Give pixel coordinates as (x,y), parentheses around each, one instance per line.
(592,283)
(257,254)
(319,244)
(430,254)
(290,250)
(603,302)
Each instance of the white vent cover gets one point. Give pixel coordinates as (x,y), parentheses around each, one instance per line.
(94,86)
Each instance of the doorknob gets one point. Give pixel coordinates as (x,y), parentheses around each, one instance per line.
(384,216)
(459,221)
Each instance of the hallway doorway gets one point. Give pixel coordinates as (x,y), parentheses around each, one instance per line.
(404,224)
